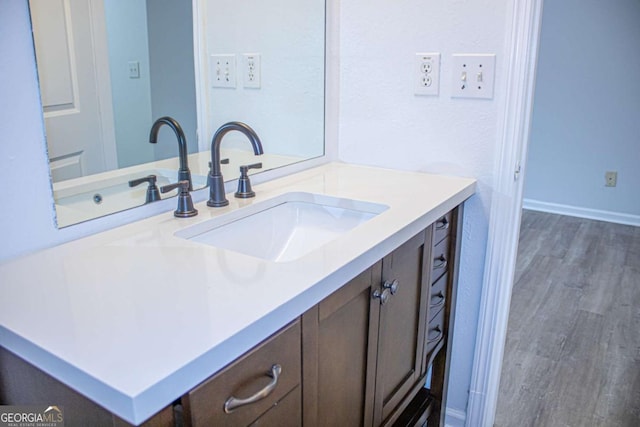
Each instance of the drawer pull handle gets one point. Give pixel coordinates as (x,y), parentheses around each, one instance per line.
(442,262)
(438,335)
(440,302)
(234,403)
(442,224)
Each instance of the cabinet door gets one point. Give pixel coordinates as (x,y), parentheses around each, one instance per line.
(339,352)
(403,319)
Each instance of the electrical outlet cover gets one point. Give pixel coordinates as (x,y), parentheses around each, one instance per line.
(473,75)
(426,73)
(251,70)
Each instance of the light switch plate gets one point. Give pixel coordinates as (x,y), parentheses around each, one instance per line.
(223,71)
(473,75)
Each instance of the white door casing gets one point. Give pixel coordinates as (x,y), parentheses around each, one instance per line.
(506,206)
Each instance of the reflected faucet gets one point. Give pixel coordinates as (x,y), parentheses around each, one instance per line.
(216,181)
(184,174)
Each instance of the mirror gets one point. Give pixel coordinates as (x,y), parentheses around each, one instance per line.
(109,68)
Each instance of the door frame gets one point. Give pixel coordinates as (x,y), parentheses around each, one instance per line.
(103,83)
(521,43)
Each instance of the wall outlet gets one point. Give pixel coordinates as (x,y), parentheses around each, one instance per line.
(251,70)
(134,69)
(473,75)
(427,73)
(223,71)
(610,179)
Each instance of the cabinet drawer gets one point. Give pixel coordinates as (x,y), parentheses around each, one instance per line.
(436,331)
(441,228)
(252,373)
(285,413)
(438,297)
(440,260)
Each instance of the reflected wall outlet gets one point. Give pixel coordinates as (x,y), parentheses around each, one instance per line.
(251,70)
(473,76)
(223,71)
(427,73)
(610,179)
(134,69)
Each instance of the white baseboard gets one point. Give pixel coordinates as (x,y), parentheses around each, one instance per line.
(556,208)
(454,418)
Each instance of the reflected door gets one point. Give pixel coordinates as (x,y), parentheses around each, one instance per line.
(71,52)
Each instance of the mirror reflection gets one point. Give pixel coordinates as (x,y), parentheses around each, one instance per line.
(109,69)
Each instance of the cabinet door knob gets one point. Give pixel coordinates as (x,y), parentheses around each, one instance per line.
(392,286)
(382,296)
(234,403)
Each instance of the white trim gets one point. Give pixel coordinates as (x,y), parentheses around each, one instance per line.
(98,22)
(201,74)
(521,47)
(580,212)
(331,79)
(454,418)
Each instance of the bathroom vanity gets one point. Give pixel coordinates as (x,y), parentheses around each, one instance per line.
(147,325)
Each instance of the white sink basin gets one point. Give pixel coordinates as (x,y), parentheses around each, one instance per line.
(284,228)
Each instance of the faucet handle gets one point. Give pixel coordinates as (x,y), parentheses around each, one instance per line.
(222,162)
(244,185)
(153,194)
(185,204)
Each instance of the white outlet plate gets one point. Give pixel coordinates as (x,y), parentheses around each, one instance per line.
(223,71)
(134,69)
(610,179)
(473,75)
(251,70)
(426,73)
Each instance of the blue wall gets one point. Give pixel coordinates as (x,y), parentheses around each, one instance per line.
(587,107)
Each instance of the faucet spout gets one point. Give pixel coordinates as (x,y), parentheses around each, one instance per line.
(184,174)
(216,181)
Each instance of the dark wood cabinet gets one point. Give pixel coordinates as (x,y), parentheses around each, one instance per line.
(339,337)
(402,325)
(368,347)
(428,403)
(21,383)
(360,357)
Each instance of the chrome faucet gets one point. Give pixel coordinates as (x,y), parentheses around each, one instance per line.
(184,174)
(216,181)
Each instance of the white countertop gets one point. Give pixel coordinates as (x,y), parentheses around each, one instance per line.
(134,317)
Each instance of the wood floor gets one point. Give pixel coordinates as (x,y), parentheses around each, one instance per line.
(572,355)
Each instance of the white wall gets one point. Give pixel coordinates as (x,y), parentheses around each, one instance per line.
(128,41)
(383,123)
(587,111)
(26,216)
(173,83)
